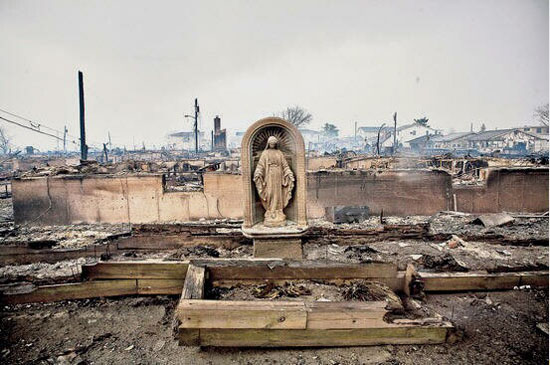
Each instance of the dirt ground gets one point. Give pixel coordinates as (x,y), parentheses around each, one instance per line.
(497,328)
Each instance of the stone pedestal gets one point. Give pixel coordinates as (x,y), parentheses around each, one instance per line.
(282,248)
(276,242)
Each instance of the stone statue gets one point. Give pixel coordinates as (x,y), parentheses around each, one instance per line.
(274,181)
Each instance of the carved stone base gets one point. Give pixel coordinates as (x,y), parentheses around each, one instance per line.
(282,248)
(288,230)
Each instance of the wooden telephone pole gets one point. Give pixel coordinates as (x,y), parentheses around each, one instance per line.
(196,126)
(394,149)
(83,146)
(65,130)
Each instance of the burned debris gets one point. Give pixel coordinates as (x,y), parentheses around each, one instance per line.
(380,268)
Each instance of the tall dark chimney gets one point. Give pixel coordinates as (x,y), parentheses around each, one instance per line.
(217,125)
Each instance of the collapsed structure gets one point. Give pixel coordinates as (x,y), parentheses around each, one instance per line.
(279,249)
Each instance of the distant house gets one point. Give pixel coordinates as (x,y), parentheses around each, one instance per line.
(421,143)
(539,130)
(409,132)
(453,141)
(369,136)
(372,132)
(514,138)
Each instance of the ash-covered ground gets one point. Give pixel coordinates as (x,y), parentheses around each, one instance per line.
(494,327)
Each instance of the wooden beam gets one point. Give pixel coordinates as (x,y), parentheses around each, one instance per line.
(87,289)
(345,315)
(160,286)
(320,337)
(277,270)
(153,269)
(455,281)
(26,255)
(241,314)
(193,288)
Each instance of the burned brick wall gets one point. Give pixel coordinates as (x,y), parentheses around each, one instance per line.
(396,192)
(142,199)
(506,190)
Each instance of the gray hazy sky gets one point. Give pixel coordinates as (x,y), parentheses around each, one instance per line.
(144,62)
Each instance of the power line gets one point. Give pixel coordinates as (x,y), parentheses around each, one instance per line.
(32,129)
(35,126)
(32,123)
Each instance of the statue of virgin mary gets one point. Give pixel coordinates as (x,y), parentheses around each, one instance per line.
(274,181)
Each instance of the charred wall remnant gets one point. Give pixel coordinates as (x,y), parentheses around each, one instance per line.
(396,192)
(506,190)
(141,199)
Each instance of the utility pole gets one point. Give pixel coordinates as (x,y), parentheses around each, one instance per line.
(105,152)
(378,139)
(355,135)
(65,139)
(394,149)
(110,144)
(196,126)
(83,146)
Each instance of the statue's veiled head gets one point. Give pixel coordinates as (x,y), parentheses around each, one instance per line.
(272,142)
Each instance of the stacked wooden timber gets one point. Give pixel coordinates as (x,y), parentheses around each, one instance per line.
(152,277)
(110,279)
(205,322)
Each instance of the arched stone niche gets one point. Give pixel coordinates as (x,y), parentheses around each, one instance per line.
(291,145)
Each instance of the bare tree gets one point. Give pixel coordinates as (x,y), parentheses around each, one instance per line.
(5,141)
(541,113)
(296,115)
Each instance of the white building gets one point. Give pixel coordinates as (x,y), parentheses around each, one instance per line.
(407,133)
(514,138)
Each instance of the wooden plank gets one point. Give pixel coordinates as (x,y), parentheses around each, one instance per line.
(449,282)
(320,337)
(536,280)
(193,288)
(342,315)
(160,286)
(29,255)
(276,270)
(153,269)
(241,314)
(87,289)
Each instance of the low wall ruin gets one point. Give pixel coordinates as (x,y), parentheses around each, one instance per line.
(506,190)
(62,200)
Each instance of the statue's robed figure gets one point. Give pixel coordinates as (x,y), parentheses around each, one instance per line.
(274,182)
